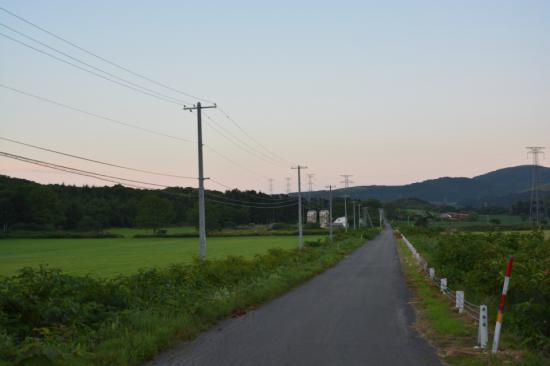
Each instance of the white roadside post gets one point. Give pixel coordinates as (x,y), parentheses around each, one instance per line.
(459,299)
(432,273)
(483,333)
(443,285)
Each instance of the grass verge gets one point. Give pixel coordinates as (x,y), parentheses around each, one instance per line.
(453,334)
(52,318)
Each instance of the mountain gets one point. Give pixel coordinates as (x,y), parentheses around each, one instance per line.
(498,188)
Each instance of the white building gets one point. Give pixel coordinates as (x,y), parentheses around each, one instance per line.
(340,222)
(311,217)
(324,218)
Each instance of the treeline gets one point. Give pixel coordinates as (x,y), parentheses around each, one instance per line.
(26,205)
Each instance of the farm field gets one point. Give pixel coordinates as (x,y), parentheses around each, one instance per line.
(110,257)
(129,232)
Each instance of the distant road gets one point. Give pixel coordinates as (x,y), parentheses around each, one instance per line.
(356,313)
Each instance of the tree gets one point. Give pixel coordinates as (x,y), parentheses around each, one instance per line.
(154,212)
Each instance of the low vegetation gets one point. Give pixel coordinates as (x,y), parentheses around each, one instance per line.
(476,263)
(50,317)
(455,335)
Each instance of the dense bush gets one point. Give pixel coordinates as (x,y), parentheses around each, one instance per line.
(477,262)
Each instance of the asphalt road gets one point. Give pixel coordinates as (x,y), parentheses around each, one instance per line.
(356,313)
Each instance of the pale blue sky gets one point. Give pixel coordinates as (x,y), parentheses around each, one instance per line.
(391,92)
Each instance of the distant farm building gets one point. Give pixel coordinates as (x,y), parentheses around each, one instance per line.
(312,217)
(454,216)
(324,218)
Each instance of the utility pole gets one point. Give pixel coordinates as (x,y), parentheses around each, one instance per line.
(346,186)
(300,229)
(287,185)
(202,219)
(536,208)
(330,210)
(368,216)
(354,220)
(359,216)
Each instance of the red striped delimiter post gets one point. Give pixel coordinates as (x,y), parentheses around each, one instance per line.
(498,325)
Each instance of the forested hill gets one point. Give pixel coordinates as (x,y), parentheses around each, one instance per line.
(29,205)
(502,187)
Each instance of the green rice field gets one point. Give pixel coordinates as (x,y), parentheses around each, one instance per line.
(110,257)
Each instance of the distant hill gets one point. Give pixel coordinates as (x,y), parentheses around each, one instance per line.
(498,188)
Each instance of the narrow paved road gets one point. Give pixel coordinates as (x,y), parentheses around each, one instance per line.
(356,313)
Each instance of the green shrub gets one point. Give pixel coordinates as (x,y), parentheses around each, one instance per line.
(477,262)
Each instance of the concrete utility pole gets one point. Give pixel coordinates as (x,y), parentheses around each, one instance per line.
(354,220)
(300,228)
(330,211)
(202,219)
(346,186)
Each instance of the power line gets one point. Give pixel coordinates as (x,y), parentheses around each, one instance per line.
(130,182)
(130,125)
(273,200)
(174,100)
(243,145)
(146,90)
(251,137)
(109,119)
(96,161)
(66,168)
(102,58)
(249,202)
(249,206)
(234,162)
(89,71)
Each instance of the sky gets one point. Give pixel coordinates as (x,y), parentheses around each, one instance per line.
(390,92)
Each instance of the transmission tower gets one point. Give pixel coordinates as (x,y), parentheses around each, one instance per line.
(287,185)
(346,182)
(271,186)
(536,207)
(310,184)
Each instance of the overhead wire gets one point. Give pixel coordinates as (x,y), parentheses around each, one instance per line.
(95,161)
(175,100)
(228,117)
(269,198)
(131,182)
(125,83)
(130,125)
(66,168)
(109,119)
(243,145)
(102,58)
(217,196)
(89,71)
